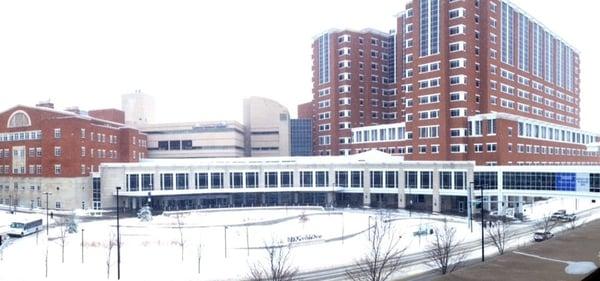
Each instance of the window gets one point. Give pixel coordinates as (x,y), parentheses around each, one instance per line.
(57,133)
(306,178)
(166,181)
(57,169)
(57,151)
(286,178)
(426,178)
(323,57)
(491,147)
(429,27)
(456,63)
(216,180)
(507,22)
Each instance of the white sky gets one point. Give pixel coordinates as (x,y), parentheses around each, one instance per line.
(200,58)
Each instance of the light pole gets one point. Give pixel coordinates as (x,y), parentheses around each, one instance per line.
(482,225)
(47,217)
(470,205)
(225,239)
(82,230)
(369,227)
(118,239)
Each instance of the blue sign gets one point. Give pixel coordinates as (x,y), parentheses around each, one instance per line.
(566,181)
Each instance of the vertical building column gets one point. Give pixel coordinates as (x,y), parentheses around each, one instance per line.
(435,195)
(499,184)
(330,197)
(401,189)
(367,188)
(296,178)
(191,180)
(520,204)
(226,179)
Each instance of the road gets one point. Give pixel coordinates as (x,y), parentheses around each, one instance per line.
(339,273)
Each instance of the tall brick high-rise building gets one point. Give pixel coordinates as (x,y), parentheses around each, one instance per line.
(458,80)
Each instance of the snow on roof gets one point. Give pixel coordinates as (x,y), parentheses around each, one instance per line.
(372,156)
(69,114)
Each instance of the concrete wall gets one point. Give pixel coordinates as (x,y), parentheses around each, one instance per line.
(267,127)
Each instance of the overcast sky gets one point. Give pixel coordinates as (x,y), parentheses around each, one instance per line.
(200,58)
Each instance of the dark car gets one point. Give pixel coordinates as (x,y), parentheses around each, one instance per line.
(540,236)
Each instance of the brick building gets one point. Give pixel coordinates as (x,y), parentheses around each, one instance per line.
(48,150)
(457,80)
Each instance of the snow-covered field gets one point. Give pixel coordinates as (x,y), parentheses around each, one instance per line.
(151,250)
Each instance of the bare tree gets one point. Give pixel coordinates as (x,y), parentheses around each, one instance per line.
(112,242)
(63,230)
(181,241)
(199,256)
(574,223)
(384,255)
(278,266)
(499,235)
(546,224)
(443,253)
(46,259)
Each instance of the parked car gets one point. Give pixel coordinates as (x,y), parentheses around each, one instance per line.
(540,236)
(558,214)
(568,217)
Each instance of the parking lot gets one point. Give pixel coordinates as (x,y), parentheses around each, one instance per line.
(581,244)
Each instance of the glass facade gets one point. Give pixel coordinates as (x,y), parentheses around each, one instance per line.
(301,137)
(549,57)
(523,43)
(324,72)
(487,180)
(560,56)
(507,54)
(569,69)
(537,49)
(430,27)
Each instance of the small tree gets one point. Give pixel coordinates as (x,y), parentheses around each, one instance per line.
(384,255)
(574,223)
(500,234)
(278,266)
(112,242)
(546,224)
(443,252)
(63,230)
(199,256)
(145,214)
(181,241)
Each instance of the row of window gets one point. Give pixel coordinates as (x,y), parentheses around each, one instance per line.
(275,179)
(21,136)
(553,133)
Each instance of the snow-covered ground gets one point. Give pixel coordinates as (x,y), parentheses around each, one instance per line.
(151,250)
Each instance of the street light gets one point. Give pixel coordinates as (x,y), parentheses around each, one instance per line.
(369,227)
(225,236)
(82,230)
(47,217)
(482,225)
(118,239)
(470,205)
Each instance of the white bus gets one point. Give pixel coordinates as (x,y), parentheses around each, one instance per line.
(25,227)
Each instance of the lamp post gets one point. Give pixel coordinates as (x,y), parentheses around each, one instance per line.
(82,230)
(369,227)
(482,225)
(47,217)
(118,238)
(225,239)
(470,205)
